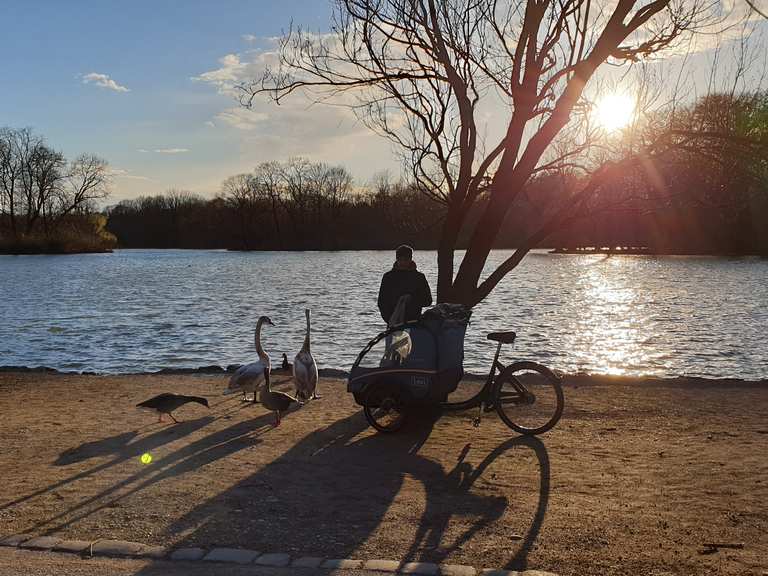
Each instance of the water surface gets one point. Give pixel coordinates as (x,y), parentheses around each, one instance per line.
(142,310)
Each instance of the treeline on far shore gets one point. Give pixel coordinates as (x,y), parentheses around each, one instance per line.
(697,198)
(297,205)
(47,202)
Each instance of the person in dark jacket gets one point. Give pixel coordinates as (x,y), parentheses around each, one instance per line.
(404,279)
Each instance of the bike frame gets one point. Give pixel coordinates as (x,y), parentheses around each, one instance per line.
(484,394)
(482,399)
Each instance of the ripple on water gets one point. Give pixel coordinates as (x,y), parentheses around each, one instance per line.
(142,310)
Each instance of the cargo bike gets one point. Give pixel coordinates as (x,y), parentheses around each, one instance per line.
(420,363)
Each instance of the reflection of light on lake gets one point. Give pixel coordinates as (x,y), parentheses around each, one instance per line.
(610,327)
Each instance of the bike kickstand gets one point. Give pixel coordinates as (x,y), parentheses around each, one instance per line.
(476,419)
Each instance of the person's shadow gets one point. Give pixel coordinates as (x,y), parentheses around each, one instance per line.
(328,494)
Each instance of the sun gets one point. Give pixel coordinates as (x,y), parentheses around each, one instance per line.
(614,111)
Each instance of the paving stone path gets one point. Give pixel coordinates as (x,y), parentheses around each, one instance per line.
(124,549)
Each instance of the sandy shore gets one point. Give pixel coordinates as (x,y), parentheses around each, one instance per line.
(635,479)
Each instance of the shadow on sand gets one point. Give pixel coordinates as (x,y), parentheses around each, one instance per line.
(328,494)
(119,446)
(332,494)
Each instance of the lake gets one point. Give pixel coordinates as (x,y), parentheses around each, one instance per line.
(143,310)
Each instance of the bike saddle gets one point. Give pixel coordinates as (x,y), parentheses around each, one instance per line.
(503,337)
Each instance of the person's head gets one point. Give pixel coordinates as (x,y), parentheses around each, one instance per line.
(404,253)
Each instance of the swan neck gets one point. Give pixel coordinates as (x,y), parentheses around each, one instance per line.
(305,348)
(259,350)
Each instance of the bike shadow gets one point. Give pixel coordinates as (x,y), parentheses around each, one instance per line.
(330,493)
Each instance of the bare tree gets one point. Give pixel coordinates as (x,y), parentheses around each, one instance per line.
(40,174)
(12,145)
(269,181)
(87,181)
(423,73)
(242,193)
(38,185)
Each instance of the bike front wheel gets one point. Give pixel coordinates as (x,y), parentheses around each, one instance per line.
(528,398)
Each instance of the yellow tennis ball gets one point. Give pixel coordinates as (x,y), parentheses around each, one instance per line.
(146,458)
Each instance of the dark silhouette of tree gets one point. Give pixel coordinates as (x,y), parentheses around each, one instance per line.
(44,198)
(691,181)
(419,72)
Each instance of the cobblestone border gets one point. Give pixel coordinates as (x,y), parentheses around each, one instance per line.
(124,549)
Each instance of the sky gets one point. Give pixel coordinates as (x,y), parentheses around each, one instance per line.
(123,80)
(148,85)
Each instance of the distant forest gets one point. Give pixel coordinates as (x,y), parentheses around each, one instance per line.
(703,197)
(698,216)
(695,201)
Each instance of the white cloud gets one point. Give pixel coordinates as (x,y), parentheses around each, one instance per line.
(164,150)
(230,73)
(123,173)
(242,118)
(250,38)
(210,124)
(171,150)
(298,127)
(103,81)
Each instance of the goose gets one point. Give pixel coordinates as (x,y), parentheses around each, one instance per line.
(305,370)
(249,377)
(166,403)
(274,400)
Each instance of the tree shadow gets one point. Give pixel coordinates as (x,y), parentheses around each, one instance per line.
(329,493)
(124,448)
(121,446)
(192,456)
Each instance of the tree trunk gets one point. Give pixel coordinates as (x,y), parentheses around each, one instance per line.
(451,228)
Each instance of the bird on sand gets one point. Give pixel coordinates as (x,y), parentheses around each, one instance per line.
(305,369)
(285,365)
(166,403)
(249,377)
(274,400)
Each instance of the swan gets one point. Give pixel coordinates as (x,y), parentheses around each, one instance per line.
(273,399)
(398,314)
(305,370)
(398,344)
(166,403)
(249,377)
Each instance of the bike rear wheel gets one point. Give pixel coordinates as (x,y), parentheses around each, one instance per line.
(528,398)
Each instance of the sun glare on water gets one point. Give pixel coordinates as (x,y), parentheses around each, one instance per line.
(614,111)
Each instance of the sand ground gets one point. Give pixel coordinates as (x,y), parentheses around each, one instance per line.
(637,477)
